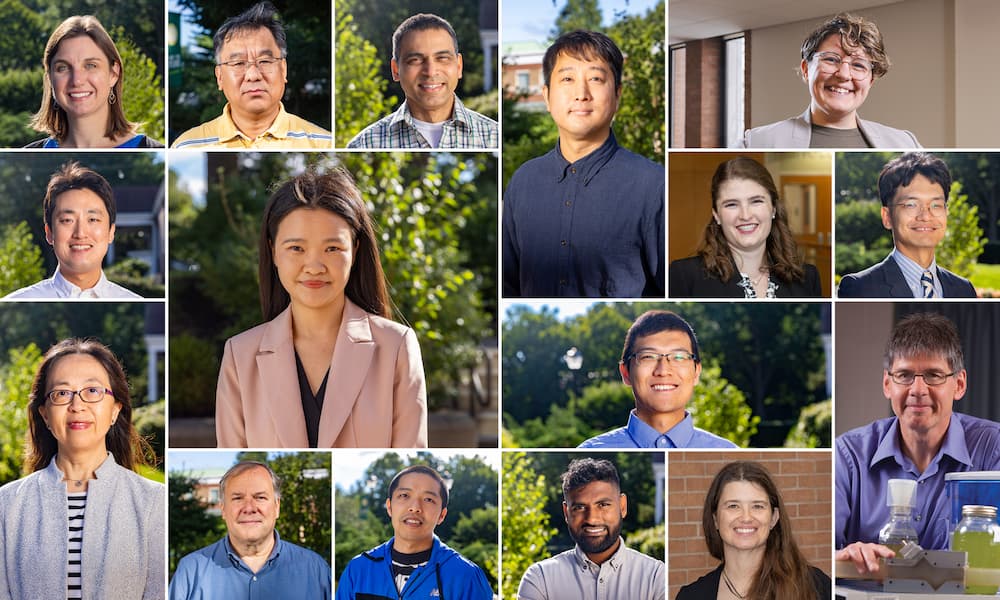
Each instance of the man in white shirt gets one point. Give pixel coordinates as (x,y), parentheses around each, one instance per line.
(79,209)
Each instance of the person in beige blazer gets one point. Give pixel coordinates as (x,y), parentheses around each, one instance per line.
(328,368)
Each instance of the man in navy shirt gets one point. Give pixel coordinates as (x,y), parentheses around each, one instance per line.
(251,561)
(585,219)
(660,361)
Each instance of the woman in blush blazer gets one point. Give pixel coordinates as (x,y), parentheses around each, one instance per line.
(328,368)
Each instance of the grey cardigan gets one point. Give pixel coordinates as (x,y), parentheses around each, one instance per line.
(797,132)
(123,536)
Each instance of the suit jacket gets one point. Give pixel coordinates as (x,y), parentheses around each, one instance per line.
(375,396)
(797,132)
(885,280)
(707,586)
(689,279)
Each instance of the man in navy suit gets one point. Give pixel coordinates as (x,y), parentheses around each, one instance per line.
(913,189)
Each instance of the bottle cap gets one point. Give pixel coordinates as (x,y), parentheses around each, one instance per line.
(977,510)
(902,492)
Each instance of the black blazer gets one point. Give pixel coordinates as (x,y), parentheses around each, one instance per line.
(707,586)
(689,279)
(885,280)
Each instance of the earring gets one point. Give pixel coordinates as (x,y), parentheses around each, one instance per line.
(112,98)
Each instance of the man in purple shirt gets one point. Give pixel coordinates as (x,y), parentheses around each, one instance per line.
(660,362)
(923,376)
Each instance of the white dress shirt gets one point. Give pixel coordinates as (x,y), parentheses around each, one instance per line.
(58,286)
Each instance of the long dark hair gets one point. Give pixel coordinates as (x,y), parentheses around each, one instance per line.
(781,254)
(333,190)
(122,440)
(784,571)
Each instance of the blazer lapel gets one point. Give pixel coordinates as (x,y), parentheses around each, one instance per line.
(280,382)
(894,280)
(802,130)
(348,371)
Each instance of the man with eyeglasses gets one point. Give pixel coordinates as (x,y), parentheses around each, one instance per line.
(251,69)
(913,189)
(660,362)
(427,64)
(840,62)
(923,376)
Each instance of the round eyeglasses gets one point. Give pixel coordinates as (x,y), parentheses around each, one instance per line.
(829,62)
(930,378)
(91,394)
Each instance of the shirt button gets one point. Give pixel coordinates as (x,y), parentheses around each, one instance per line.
(661,442)
(255,578)
(572,170)
(569,203)
(562,242)
(562,282)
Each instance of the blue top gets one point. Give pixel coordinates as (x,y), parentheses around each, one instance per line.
(869,456)
(447,576)
(136,141)
(590,228)
(912,272)
(216,571)
(638,434)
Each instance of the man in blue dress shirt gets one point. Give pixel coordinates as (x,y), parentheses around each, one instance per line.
(914,191)
(660,361)
(586,219)
(923,376)
(251,561)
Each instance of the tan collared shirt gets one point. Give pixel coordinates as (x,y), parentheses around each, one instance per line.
(287,131)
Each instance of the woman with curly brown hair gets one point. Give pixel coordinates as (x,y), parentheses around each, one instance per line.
(747,250)
(747,527)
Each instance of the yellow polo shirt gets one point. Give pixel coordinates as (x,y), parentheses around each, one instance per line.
(287,131)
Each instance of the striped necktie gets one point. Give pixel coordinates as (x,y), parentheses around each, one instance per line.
(927,281)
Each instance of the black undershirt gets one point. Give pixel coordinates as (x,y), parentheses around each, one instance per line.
(312,405)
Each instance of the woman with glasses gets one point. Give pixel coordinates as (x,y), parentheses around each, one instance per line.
(328,368)
(840,62)
(747,250)
(747,527)
(82,91)
(83,523)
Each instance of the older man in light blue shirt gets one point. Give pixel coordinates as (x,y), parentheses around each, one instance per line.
(660,362)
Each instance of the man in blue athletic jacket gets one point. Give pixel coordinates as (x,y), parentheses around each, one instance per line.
(414,564)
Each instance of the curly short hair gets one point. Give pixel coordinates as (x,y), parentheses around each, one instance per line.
(854,32)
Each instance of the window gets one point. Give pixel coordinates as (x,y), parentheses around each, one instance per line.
(523,82)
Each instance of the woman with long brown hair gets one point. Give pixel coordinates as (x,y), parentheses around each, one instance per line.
(83,523)
(747,250)
(328,368)
(746,527)
(82,91)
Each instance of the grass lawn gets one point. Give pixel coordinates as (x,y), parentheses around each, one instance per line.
(986,278)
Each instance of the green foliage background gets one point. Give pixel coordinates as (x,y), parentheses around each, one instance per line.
(136,26)
(470,527)
(532,493)
(435,217)
(762,363)
(307,92)
(305,505)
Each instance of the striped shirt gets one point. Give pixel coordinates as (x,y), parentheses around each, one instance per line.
(912,272)
(287,131)
(77,502)
(466,129)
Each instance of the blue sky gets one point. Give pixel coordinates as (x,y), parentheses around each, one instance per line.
(532,20)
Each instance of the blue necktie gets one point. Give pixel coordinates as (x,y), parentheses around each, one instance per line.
(927,280)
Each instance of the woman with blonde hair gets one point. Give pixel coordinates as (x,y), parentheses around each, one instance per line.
(82,91)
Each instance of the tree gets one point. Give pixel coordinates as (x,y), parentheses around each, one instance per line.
(360,86)
(20,258)
(964,241)
(305,499)
(578,14)
(16,377)
(720,407)
(526,530)
(190,526)
(142,91)
(640,122)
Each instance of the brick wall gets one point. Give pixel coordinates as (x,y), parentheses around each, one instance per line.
(802,477)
